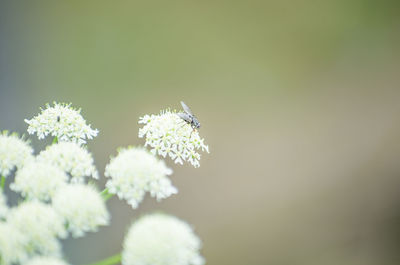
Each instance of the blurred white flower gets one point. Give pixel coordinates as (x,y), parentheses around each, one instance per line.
(3,206)
(14,152)
(61,121)
(38,180)
(159,239)
(82,208)
(72,158)
(45,261)
(168,134)
(133,172)
(40,225)
(12,244)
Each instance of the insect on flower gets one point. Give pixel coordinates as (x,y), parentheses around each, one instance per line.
(188,116)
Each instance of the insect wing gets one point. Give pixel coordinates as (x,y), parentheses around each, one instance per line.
(186,108)
(184,116)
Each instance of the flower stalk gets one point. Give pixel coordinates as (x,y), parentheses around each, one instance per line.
(106,195)
(109,261)
(2,181)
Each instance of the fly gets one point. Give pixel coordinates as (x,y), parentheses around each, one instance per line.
(188,116)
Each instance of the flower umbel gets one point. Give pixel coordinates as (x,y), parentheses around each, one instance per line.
(12,244)
(133,172)
(61,121)
(40,225)
(71,158)
(45,261)
(38,180)
(82,208)
(14,152)
(168,134)
(160,239)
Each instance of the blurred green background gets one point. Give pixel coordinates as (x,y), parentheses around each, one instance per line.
(298,100)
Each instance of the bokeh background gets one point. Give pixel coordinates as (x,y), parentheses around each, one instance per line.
(298,100)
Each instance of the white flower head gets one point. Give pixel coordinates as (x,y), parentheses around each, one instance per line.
(82,208)
(134,171)
(14,152)
(38,180)
(61,121)
(168,134)
(46,261)
(41,226)
(12,244)
(3,206)
(160,239)
(72,158)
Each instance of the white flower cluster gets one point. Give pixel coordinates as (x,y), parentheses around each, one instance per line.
(11,244)
(61,121)
(71,158)
(160,239)
(58,202)
(40,227)
(82,208)
(14,152)
(133,172)
(168,134)
(46,261)
(38,180)
(33,228)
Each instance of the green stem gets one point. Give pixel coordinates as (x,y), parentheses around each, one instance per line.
(2,182)
(55,140)
(109,261)
(106,195)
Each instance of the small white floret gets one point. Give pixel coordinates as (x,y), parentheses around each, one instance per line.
(160,239)
(12,244)
(61,121)
(14,153)
(168,135)
(81,207)
(46,261)
(133,172)
(72,158)
(40,225)
(38,180)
